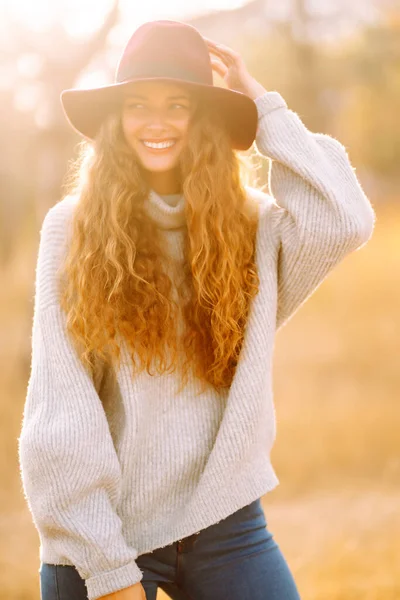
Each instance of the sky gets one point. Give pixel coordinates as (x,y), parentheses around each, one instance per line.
(80,17)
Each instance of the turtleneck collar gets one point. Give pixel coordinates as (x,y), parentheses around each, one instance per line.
(168,210)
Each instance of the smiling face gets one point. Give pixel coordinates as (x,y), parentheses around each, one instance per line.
(155,121)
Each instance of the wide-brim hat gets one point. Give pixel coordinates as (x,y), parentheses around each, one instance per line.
(172,51)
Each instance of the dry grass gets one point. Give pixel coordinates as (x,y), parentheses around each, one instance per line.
(335,514)
(341,545)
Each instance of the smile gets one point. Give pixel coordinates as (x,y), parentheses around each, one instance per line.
(159,145)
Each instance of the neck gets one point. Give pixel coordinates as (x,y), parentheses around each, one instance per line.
(164,182)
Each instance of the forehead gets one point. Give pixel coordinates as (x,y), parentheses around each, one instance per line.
(149,89)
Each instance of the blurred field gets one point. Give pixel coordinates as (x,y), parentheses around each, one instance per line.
(337,454)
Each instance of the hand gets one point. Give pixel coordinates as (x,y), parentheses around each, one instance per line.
(231,67)
(133,592)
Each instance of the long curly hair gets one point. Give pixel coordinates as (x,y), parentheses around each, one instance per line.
(116,286)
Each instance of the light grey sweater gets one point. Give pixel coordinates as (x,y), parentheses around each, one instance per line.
(115,468)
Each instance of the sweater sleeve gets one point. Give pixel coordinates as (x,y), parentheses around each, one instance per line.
(70,471)
(320,212)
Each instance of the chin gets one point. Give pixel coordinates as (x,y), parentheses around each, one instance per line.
(159,166)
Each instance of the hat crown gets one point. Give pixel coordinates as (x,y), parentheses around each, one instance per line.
(166,49)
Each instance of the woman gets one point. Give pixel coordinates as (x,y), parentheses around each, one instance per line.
(161,281)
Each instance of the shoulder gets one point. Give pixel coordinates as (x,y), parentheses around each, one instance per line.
(263,199)
(270,215)
(54,238)
(265,202)
(59,216)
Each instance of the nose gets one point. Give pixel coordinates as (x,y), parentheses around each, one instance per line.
(156,123)
(157,117)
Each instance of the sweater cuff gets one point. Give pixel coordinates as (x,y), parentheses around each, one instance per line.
(112,581)
(268,102)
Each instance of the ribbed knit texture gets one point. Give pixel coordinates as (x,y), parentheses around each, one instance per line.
(115,468)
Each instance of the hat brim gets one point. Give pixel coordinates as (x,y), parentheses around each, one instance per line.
(86,109)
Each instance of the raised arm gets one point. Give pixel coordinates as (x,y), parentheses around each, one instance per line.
(69,468)
(321,212)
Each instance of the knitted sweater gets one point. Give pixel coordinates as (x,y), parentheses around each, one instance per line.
(116,468)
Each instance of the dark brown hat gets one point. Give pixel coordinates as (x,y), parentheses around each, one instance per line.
(171,51)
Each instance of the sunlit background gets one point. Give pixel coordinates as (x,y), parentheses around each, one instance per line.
(336,512)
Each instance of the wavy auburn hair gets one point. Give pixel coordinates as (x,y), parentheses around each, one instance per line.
(116,285)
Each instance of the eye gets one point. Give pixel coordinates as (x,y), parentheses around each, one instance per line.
(180,105)
(134,105)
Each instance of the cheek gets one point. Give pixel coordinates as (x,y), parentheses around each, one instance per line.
(184,126)
(129,125)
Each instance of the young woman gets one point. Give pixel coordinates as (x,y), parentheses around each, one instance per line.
(161,282)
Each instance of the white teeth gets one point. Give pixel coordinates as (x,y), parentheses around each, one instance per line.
(160,145)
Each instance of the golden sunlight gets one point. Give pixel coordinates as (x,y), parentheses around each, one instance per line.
(80,17)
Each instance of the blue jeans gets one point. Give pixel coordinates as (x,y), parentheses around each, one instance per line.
(235,559)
